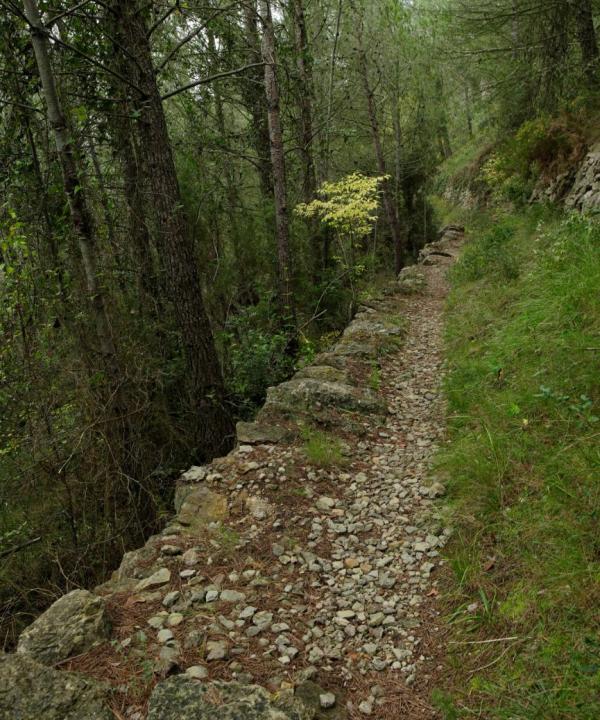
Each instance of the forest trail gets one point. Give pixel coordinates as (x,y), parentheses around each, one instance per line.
(307,566)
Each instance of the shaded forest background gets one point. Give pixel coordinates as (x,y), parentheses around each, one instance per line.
(155,278)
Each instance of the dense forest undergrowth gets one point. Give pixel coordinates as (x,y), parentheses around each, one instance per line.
(163,260)
(195,199)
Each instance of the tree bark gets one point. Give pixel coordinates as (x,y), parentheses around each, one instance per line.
(212,423)
(469,110)
(253,94)
(244,289)
(398,239)
(332,63)
(81,217)
(588,41)
(282,226)
(443,134)
(103,196)
(135,185)
(305,88)
(305,91)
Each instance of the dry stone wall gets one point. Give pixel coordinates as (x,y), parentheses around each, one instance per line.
(577,188)
(335,394)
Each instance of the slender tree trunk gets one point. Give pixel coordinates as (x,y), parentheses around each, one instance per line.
(213,425)
(332,64)
(134,185)
(398,239)
(397,126)
(588,41)
(305,87)
(253,93)
(25,118)
(469,110)
(231,192)
(305,130)
(80,213)
(284,260)
(443,134)
(103,195)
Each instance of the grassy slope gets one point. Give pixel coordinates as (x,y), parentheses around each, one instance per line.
(523,468)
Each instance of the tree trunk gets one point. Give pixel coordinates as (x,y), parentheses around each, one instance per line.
(305,88)
(103,196)
(443,134)
(398,240)
(282,226)
(332,63)
(24,117)
(305,130)
(212,423)
(134,184)
(242,259)
(80,213)
(469,110)
(253,94)
(586,36)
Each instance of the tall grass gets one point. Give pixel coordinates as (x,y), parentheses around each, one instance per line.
(523,470)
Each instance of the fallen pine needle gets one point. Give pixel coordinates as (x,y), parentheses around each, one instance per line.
(484,642)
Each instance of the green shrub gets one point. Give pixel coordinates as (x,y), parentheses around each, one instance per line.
(255,356)
(541,149)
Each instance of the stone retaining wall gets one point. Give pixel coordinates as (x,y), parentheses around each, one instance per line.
(333,393)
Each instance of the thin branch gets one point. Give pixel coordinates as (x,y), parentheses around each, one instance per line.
(18,548)
(162,19)
(106,6)
(15,11)
(93,61)
(210,79)
(66,13)
(21,105)
(191,35)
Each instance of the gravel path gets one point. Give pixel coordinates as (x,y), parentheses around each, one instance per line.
(283,567)
(385,531)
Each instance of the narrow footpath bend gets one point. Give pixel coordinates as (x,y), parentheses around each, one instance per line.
(303,563)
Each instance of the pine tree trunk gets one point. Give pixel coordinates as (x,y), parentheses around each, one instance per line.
(212,423)
(469,110)
(586,36)
(81,217)
(134,184)
(305,88)
(443,134)
(284,260)
(135,187)
(332,64)
(253,94)
(398,239)
(305,131)
(245,292)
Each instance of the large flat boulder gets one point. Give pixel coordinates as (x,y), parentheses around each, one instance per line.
(301,395)
(181,697)
(253,433)
(202,506)
(71,626)
(411,280)
(326,373)
(31,691)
